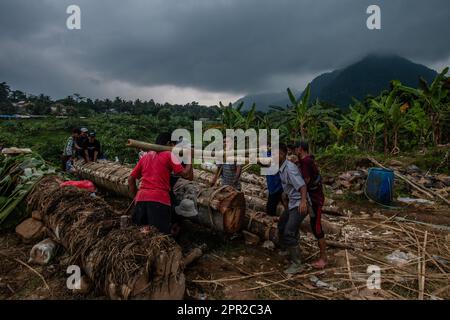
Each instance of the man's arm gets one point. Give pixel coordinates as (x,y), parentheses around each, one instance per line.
(77,147)
(307,168)
(97,151)
(299,184)
(303,209)
(132,186)
(134,176)
(188,172)
(238,174)
(216,176)
(86,155)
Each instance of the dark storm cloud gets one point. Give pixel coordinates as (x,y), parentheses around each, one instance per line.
(232,46)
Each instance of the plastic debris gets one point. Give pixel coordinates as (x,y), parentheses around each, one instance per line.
(42,252)
(400,258)
(440,260)
(415,200)
(268,245)
(321,284)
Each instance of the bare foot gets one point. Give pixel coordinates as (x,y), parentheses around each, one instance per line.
(144,229)
(319,264)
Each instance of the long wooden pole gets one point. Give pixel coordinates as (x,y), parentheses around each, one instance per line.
(199,154)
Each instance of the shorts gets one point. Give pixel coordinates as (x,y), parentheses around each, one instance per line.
(148,213)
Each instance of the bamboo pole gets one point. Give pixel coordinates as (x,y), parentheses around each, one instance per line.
(200,154)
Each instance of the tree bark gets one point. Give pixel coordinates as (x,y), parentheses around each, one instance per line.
(90,232)
(220,208)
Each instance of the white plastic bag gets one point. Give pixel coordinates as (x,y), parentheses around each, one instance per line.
(42,252)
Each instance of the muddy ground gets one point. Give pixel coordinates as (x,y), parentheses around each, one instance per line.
(231,269)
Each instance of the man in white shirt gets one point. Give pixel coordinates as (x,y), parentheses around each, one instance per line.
(289,224)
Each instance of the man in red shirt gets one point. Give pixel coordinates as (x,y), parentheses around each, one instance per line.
(312,178)
(153,204)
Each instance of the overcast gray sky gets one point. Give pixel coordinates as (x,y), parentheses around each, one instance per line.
(205,50)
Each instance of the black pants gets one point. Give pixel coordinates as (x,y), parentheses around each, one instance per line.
(64,160)
(153,214)
(272,203)
(289,227)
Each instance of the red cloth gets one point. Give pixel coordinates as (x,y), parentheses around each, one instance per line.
(154,170)
(83,184)
(309,171)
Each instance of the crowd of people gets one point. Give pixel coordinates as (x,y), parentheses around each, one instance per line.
(297,187)
(83,145)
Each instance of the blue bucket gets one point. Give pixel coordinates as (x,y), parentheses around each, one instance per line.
(380,185)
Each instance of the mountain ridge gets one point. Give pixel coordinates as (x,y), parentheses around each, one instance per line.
(369,76)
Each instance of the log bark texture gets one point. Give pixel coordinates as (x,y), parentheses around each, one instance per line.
(121,263)
(221,209)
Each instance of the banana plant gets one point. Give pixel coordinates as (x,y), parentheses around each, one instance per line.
(383,108)
(419,124)
(338,133)
(300,116)
(354,121)
(372,128)
(233,117)
(434,99)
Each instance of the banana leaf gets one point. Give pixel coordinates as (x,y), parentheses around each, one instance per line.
(18,176)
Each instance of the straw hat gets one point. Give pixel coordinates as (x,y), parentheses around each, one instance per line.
(186,208)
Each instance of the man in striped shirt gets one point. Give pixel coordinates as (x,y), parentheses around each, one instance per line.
(230,173)
(70,148)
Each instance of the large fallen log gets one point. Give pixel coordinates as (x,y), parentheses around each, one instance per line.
(247,188)
(220,208)
(246,177)
(256,196)
(121,263)
(107,175)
